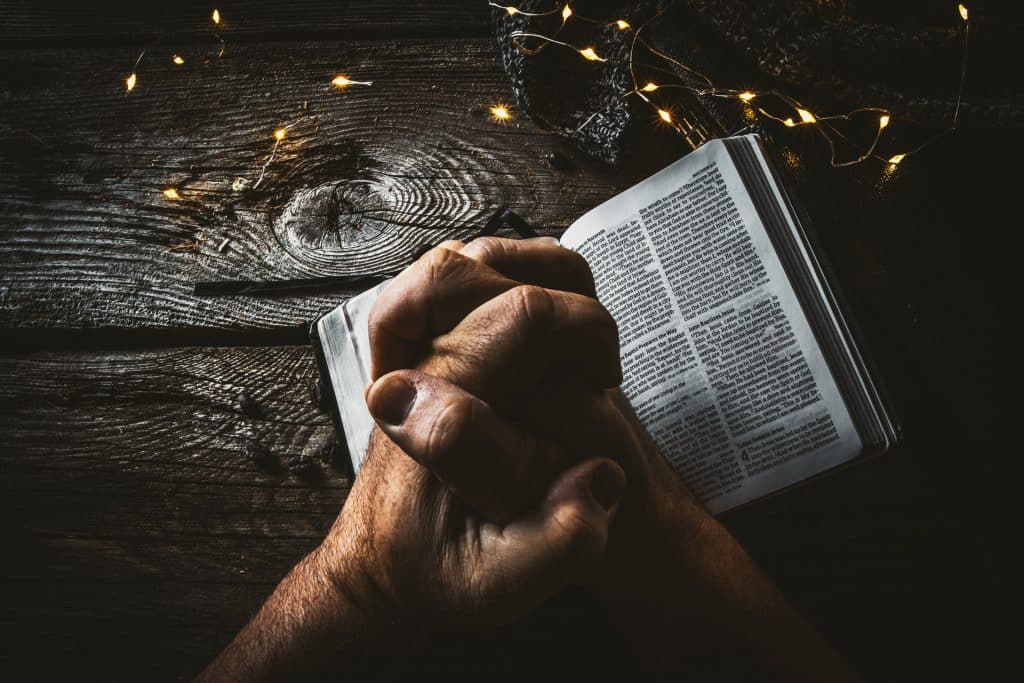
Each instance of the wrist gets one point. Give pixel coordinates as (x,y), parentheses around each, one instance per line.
(310,623)
(362,607)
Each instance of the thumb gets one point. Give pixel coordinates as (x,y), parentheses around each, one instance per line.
(535,556)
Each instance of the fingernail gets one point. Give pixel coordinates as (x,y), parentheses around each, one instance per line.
(545,239)
(606,485)
(391,399)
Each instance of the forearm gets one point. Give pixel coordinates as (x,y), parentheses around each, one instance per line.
(701,594)
(307,624)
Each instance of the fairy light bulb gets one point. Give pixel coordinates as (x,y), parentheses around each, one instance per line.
(129,83)
(279,134)
(342,81)
(216,16)
(500,112)
(171,193)
(751,113)
(178,59)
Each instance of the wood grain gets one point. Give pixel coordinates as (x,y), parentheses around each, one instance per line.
(135,530)
(138,537)
(363,176)
(132,520)
(167,25)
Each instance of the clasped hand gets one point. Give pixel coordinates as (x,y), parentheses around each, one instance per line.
(505,466)
(497,467)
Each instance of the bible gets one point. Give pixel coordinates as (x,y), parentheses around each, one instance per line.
(736,355)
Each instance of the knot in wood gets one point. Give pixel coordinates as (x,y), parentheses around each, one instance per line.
(371,221)
(331,220)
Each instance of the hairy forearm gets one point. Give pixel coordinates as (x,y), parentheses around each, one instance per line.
(700,594)
(306,625)
(681,586)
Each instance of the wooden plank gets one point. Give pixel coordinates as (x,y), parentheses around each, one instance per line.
(133,522)
(361,179)
(137,535)
(165,25)
(153,448)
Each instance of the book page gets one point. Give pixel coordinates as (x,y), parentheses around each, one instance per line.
(345,340)
(719,360)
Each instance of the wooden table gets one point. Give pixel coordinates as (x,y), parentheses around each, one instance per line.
(137,536)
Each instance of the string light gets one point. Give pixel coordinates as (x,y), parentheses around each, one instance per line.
(823,124)
(344,81)
(587,53)
(279,135)
(963,64)
(500,112)
(216,22)
(512,11)
(806,116)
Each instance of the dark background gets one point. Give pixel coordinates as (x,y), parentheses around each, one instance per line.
(137,534)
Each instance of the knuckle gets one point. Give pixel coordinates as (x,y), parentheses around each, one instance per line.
(576,536)
(601,317)
(384,304)
(533,305)
(447,436)
(439,264)
(452,245)
(582,267)
(490,249)
(608,324)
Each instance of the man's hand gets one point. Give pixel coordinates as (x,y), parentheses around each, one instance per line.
(407,550)
(674,579)
(438,535)
(499,465)
(516,326)
(437,542)
(506,351)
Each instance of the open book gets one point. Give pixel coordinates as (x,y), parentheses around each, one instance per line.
(735,355)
